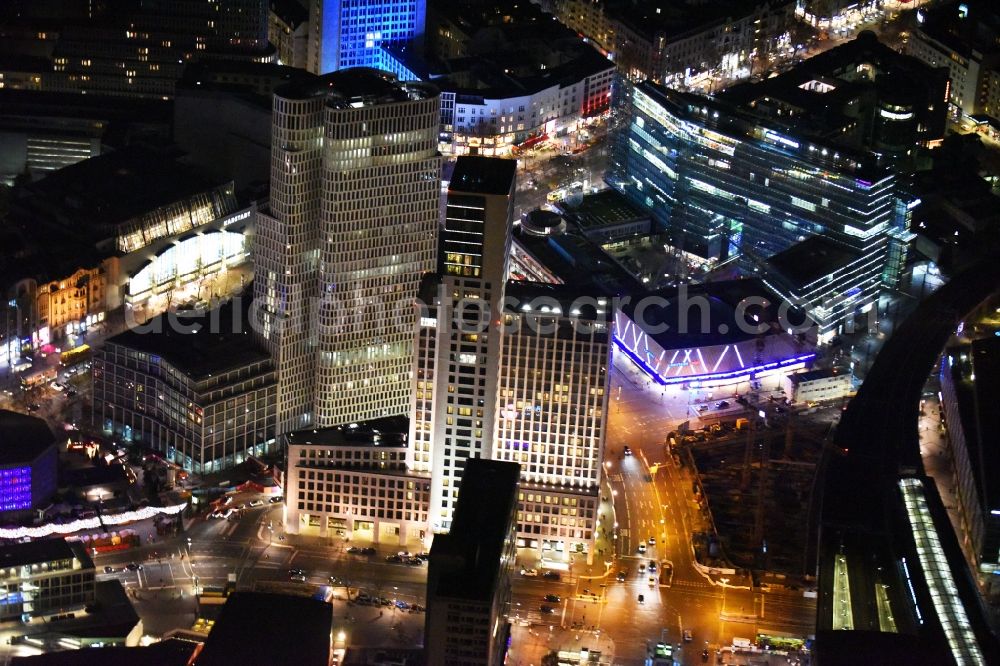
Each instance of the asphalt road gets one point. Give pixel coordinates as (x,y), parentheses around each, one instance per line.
(661,505)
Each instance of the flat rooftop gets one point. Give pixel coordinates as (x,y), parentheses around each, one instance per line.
(702,315)
(170,652)
(263,628)
(483,175)
(42,550)
(574,259)
(199,345)
(606,208)
(812,375)
(466,561)
(357,87)
(388,432)
(22,438)
(97,194)
(808,261)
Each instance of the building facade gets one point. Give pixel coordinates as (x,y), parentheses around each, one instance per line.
(195,389)
(469,572)
(44,577)
(350,229)
(970,382)
(723,183)
(684,41)
(457,353)
(136,51)
(347,34)
(817,385)
(353,482)
(962,37)
(552,414)
(288,31)
(28,465)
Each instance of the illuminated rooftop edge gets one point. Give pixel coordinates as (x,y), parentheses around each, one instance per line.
(735,375)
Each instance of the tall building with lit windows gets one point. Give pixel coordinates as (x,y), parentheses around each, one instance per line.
(456,360)
(351,33)
(726,182)
(552,411)
(351,227)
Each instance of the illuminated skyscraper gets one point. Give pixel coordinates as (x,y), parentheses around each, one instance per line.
(351,33)
(457,354)
(350,229)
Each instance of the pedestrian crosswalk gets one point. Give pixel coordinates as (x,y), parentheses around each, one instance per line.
(690,583)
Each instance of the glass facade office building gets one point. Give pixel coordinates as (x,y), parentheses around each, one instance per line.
(722,184)
(351,33)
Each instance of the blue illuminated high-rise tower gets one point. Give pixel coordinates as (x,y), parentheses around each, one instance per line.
(351,33)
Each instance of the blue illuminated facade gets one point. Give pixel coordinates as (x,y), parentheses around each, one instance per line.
(353,32)
(15,488)
(28,464)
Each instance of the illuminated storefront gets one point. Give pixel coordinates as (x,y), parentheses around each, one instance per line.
(190,258)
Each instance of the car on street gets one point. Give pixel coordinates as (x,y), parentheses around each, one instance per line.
(687,636)
(551,575)
(529,572)
(652,581)
(393,559)
(547,610)
(642,548)
(109,569)
(652,541)
(642,598)
(704,656)
(722,404)
(554,598)
(33,407)
(367,550)
(133,566)
(652,566)
(296,572)
(354,550)
(275,500)
(297,578)
(622,575)
(627,451)
(642,568)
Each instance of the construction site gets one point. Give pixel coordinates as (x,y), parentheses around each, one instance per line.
(755,483)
